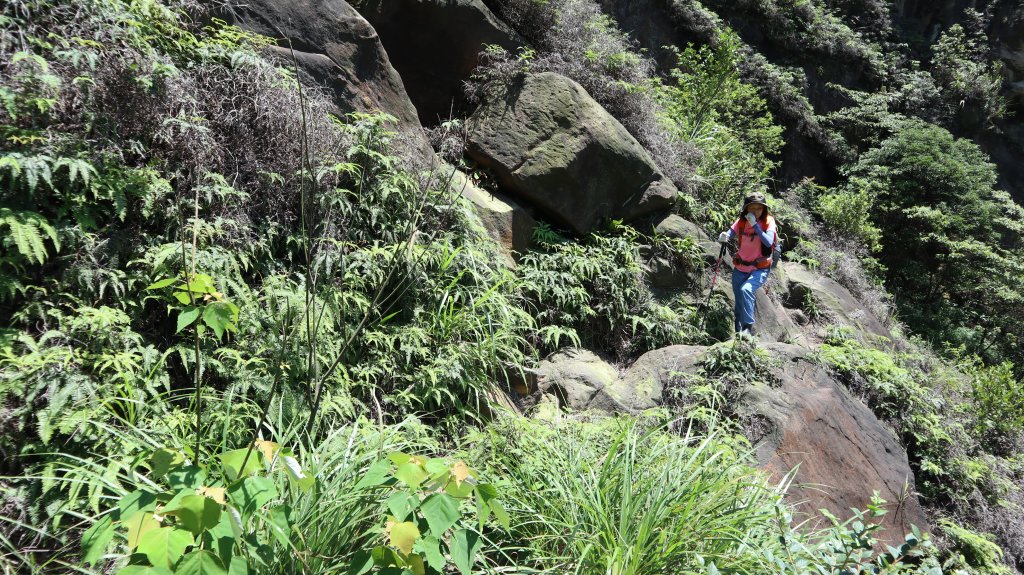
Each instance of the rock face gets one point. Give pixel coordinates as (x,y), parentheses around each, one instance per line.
(508,223)
(842,450)
(339,51)
(830,297)
(434,45)
(580,380)
(551,144)
(809,421)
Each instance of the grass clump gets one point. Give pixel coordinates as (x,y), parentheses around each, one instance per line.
(627,496)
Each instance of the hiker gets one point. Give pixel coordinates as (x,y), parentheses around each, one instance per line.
(757,235)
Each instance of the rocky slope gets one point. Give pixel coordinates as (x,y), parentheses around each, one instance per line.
(559,157)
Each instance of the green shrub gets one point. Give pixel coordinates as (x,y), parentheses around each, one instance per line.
(998,406)
(707,105)
(971,80)
(847,213)
(973,551)
(949,239)
(594,294)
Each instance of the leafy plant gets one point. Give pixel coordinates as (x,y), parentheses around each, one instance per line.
(428,529)
(197,300)
(709,106)
(193,518)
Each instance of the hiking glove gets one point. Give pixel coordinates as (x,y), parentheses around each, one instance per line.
(751,219)
(723,238)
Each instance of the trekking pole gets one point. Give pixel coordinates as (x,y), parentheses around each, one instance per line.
(714,278)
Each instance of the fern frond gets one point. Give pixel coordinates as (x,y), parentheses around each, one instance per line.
(27,231)
(9,285)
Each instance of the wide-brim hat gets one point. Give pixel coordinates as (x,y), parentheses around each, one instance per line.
(754,198)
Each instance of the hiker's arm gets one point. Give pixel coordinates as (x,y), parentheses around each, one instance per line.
(767,236)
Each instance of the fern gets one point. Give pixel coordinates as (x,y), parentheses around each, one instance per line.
(26,232)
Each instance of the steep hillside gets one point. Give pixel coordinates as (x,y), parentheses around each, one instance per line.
(429,286)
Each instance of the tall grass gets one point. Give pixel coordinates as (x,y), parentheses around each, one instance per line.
(626,497)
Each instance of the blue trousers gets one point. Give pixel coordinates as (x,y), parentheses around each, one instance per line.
(744,286)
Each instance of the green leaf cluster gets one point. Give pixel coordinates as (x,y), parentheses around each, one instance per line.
(430,503)
(201,520)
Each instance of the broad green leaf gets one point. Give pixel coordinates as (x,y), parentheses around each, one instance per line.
(161,461)
(401,504)
(200,562)
(411,474)
(188,477)
(403,536)
(500,514)
(201,283)
(436,466)
(441,512)
(165,545)
(136,501)
(362,562)
(138,525)
(161,284)
(430,547)
(238,566)
(280,523)
(219,317)
(399,458)
(464,546)
(459,491)
(376,475)
(385,557)
(184,298)
(485,493)
(251,494)
(96,539)
(221,538)
(415,563)
(187,317)
(233,460)
(196,513)
(143,570)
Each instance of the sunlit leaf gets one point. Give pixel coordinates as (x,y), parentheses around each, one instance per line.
(402,535)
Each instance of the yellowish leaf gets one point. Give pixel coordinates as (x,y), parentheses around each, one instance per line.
(215,493)
(460,473)
(268,448)
(138,524)
(402,535)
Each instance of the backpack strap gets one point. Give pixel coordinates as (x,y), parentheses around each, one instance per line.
(763,261)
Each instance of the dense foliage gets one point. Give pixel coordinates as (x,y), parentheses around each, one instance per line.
(241,335)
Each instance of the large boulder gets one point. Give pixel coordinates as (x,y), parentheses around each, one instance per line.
(840,450)
(505,221)
(578,379)
(338,50)
(804,289)
(434,65)
(581,380)
(665,274)
(552,145)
